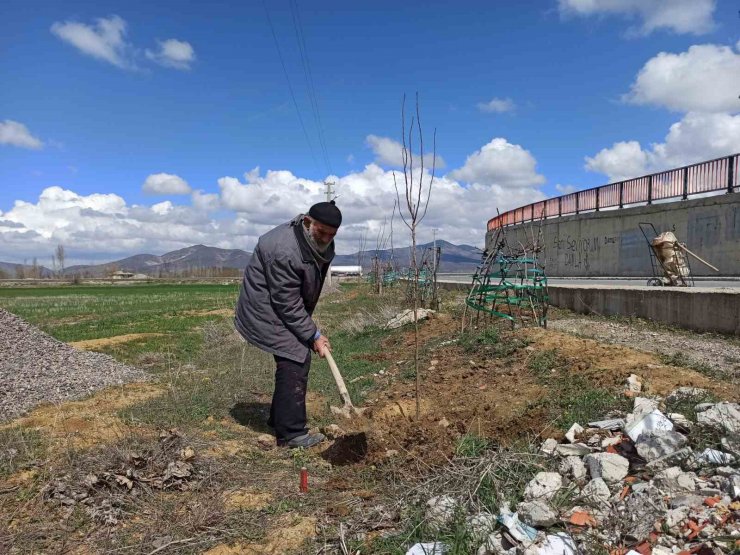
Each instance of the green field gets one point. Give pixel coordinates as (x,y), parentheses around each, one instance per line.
(196,351)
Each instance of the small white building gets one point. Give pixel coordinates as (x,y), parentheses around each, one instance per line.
(121,274)
(346,271)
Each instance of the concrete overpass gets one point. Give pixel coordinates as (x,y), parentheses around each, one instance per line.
(598,260)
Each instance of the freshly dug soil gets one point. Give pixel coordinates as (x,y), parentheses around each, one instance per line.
(495,397)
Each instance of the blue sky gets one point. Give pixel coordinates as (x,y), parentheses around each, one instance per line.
(563,76)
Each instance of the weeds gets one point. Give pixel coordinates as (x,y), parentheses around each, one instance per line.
(471,445)
(685,404)
(682,360)
(18,447)
(543,362)
(480,483)
(490,341)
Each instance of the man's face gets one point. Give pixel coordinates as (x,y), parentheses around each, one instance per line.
(321,233)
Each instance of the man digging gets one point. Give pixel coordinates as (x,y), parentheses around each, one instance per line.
(281,287)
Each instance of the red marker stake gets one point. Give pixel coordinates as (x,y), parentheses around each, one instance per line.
(304,480)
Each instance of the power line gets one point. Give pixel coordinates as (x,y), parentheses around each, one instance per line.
(290,87)
(308,74)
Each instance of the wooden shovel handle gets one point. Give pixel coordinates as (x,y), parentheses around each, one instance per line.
(343,393)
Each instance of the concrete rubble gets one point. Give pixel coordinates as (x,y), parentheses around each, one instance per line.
(407,317)
(649,482)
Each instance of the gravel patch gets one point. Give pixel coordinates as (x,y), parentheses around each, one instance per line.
(36,368)
(720,354)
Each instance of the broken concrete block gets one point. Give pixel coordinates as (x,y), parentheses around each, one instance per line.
(595,493)
(607,441)
(725,471)
(680,421)
(634,383)
(683,393)
(725,416)
(680,457)
(543,486)
(653,445)
(609,466)
(536,513)
(407,317)
(548,446)
(735,486)
(575,430)
(480,525)
(731,444)
(686,500)
(644,405)
(440,510)
(675,517)
(573,468)
(674,480)
(575,449)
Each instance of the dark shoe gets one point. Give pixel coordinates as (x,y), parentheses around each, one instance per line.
(305,441)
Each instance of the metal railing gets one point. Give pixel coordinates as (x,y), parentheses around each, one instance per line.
(721,174)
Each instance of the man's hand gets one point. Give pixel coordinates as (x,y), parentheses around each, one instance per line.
(320,344)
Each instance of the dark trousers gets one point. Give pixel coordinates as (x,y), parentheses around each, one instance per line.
(288,409)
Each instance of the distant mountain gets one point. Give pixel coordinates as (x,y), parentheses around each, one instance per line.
(184,260)
(455,258)
(11,271)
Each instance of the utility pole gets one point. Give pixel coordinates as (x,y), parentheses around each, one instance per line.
(329,190)
(329,193)
(434,252)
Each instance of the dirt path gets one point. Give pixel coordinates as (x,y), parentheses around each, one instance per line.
(716,352)
(93,344)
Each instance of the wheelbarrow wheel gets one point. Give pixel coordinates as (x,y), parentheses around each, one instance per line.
(655,282)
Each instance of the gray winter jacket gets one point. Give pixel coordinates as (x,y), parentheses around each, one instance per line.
(281,287)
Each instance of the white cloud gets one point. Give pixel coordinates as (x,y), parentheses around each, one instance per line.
(165,184)
(565,189)
(497,105)
(697,137)
(104,41)
(205,202)
(105,226)
(172,53)
(622,160)
(679,16)
(502,164)
(389,153)
(706,78)
(16,134)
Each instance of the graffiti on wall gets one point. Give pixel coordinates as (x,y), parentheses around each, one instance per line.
(580,252)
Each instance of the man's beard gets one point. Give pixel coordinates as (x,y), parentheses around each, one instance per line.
(320,245)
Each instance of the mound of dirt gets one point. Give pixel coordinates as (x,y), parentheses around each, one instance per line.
(488,394)
(36,368)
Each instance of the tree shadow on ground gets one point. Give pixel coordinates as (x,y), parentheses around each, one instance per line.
(252,415)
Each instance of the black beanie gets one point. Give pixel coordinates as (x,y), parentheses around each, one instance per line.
(327,213)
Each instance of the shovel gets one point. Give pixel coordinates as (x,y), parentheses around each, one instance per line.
(348,410)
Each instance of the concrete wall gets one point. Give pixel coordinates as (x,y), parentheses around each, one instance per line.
(609,243)
(691,308)
(695,308)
